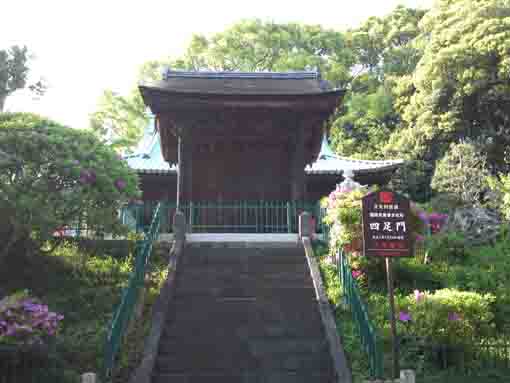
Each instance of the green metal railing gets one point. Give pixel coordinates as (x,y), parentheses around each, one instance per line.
(234,216)
(367,333)
(124,311)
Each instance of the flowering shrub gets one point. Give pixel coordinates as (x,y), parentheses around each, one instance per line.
(56,175)
(26,321)
(343,214)
(432,222)
(446,316)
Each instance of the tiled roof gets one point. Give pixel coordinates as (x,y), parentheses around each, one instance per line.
(329,163)
(242,83)
(147,157)
(296,75)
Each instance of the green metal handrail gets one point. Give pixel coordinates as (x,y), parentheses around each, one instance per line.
(233,216)
(368,335)
(130,294)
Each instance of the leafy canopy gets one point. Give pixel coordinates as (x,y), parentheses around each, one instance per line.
(461,86)
(384,49)
(462,173)
(14,72)
(51,174)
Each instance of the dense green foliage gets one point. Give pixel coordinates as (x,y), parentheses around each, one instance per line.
(462,173)
(500,196)
(461,86)
(385,49)
(254,45)
(53,175)
(119,120)
(85,286)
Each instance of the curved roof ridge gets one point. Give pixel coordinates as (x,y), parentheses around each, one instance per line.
(294,75)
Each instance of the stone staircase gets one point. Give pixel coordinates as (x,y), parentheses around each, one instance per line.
(243,315)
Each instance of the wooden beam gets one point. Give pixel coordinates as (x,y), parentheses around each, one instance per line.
(297,170)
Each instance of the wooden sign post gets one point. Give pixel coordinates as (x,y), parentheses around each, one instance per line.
(386,226)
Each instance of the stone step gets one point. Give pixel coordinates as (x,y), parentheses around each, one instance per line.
(255,346)
(278,273)
(290,308)
(201,256)
(246,377)
(205,359)
(188,329)
(257,268)
(251,289)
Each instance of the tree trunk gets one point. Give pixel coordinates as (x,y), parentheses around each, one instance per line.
(2,102)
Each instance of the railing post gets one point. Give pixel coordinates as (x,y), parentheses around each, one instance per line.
(89,377)
(304,225)
(179,225)
(289,218)
(191,216)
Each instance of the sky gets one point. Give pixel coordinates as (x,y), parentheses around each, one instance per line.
(81,48)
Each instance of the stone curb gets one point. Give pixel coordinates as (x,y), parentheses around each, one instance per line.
(336,349)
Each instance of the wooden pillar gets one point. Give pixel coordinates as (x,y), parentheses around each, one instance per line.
(297,187)
(184,179)
(180,164)
(185,176)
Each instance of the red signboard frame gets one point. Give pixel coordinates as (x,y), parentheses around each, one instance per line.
(386,225)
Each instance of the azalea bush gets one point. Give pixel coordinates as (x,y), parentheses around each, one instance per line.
(430,234)
(446,316)
(343,215)
(52,176)
(26,321)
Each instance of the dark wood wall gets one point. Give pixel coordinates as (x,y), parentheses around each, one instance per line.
(158,187)
(246,180)
(234,171)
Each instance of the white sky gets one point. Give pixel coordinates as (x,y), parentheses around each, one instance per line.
(82,47)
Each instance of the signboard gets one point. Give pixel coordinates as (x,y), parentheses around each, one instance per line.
(386,225)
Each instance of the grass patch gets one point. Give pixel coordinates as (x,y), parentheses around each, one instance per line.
(86,287)
(346,327)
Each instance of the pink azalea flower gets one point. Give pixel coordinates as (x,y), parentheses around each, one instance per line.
(120,184)
(404,316)
(356,273)
(11,330)
(418,295)
(87,176)
(423,217)
(434,216)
